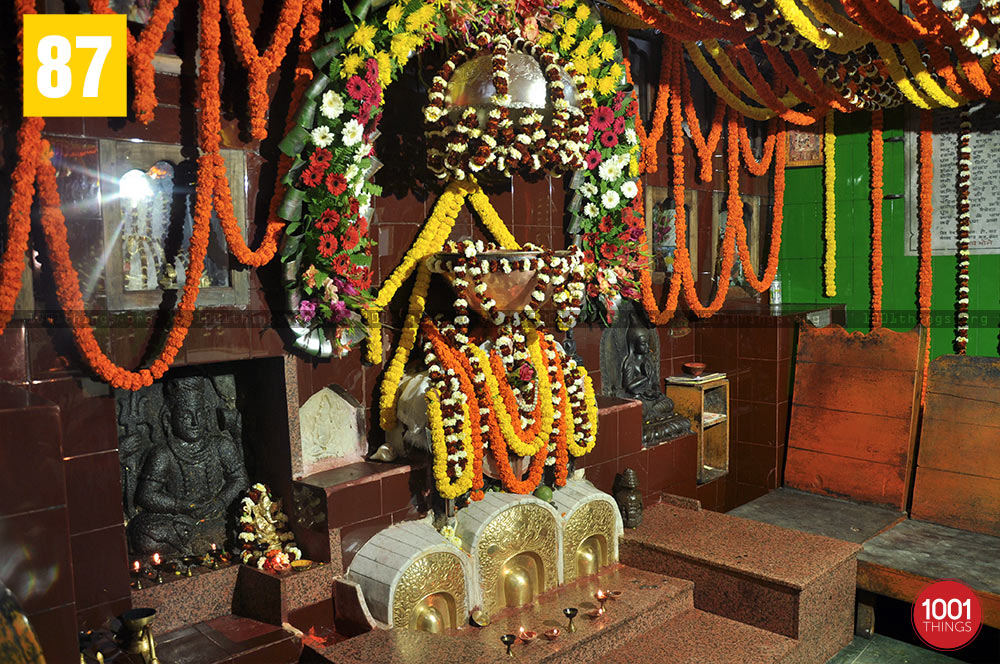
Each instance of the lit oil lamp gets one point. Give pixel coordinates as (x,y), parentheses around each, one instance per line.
(601,596)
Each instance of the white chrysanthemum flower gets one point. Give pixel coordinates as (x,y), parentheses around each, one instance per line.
(332,105)
(321,136)
(610,199)
(353,132)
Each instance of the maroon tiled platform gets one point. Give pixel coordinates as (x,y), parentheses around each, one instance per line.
(227,639)
(649,600)
(271,597)
(189,600)
(699,637)
(790,583)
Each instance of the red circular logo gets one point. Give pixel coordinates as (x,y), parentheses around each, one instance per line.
(947,615)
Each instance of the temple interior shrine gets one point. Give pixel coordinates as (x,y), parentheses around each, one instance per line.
(551,331)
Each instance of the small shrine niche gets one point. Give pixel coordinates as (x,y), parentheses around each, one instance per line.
(182,463)
(190,448)
(630,369)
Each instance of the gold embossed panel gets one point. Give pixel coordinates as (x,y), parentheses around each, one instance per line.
(595,518)
(521,529)
(428,583)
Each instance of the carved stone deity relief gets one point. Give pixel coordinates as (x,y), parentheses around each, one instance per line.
(332,429)
(182,464)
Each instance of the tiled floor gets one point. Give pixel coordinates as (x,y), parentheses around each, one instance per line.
(883,650)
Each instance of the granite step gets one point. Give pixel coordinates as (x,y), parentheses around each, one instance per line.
(791,583)
(698,637)
(649,600)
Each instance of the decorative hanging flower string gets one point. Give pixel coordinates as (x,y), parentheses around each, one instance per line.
(876,151)
(963,217)
(830,209)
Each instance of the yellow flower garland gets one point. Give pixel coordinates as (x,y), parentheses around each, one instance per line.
(389,390)
(830,218)
(851,31)
(734,75)
(941,96)
(494,224)
(720,89)
(448,489)
(503,417)
(430,241)
(899,77)
(838,44)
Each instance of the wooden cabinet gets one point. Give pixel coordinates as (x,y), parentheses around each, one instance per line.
(706,404)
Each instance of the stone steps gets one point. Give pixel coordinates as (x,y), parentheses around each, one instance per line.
(790,583)
(649,601)
(699,637)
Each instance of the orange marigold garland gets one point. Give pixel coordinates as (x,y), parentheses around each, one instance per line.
(877,165)
(780,150)
(756,166)
(704,147)
(29,146)
(141,52)
(210,138)
(260,66)
(926,218)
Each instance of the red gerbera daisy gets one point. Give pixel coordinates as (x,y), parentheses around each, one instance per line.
(351,238)
(321,157)
(340,263)
(356,87)
(311,177)
(328,221)
(602,118)
(609,139)
(327,245)
(336,183)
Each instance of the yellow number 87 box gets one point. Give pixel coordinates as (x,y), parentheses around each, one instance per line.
(75,65)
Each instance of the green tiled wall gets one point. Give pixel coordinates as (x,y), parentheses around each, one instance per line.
(801,262)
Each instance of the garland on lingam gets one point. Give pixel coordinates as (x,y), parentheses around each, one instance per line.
(514,391)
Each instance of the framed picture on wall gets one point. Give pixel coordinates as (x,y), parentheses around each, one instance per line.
(661,231)
(147,204)
(805,148)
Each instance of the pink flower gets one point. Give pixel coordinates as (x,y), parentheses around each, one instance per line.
(602,118)
(525,373)
(593,159)
(609,139)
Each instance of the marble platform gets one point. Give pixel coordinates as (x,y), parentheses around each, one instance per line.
(791,583)
(649,600)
